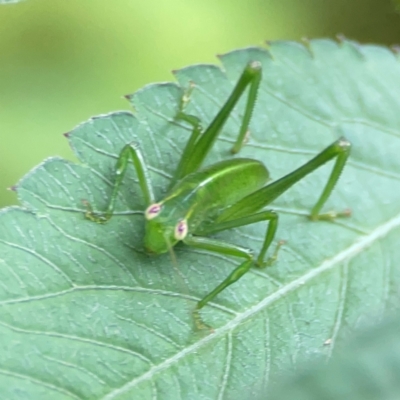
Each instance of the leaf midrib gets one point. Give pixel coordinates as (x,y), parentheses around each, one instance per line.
(348,253)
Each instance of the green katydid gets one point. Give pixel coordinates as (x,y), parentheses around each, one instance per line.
(225,195)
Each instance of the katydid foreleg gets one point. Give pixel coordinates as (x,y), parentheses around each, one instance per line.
(133,152)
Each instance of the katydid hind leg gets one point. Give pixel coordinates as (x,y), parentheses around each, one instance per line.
(251,76)
(190,144)
(343,147)
(128,152)
(338,150)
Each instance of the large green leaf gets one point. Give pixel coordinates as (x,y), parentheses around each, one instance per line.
(86,314)
(367,368)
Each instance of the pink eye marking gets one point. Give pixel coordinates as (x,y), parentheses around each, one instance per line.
(152,211)
(181,230)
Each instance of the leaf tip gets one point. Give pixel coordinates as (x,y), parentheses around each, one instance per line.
(395,48)
(306,41)
(340,37)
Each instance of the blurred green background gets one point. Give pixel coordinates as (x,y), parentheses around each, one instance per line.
(64,61)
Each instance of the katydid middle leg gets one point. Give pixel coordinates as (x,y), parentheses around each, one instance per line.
(220,247)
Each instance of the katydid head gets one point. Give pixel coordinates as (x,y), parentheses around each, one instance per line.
(163,229)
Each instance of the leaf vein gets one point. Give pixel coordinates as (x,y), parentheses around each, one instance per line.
(228,360)
(79,339)
(40,382)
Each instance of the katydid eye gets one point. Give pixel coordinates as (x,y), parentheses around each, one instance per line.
(181,230)
(152,211)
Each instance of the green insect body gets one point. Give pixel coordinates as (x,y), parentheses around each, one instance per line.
(195,202)
(225,195)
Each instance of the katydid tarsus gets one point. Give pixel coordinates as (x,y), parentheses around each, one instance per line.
(225,195)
